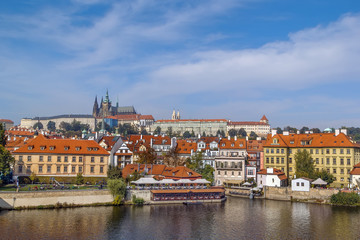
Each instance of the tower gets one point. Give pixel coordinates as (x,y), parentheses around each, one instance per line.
(178,115)
(173,116)
(95,108)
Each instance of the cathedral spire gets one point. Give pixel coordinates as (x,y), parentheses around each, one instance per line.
(95,107)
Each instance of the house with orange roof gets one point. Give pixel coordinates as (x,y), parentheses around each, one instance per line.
(271,177)
(355,176)
(261,128)
(7,123)
(61,157)
(335,152)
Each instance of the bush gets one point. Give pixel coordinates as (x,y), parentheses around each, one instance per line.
(114,173)
(79,179)
(117,188)
(345,199)
(137,201)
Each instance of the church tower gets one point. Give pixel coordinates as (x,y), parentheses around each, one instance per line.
(173,116)
(95,108)
(178,115)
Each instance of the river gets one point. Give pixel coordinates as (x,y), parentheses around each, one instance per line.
(237,218)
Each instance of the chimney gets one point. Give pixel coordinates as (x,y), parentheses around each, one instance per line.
(151,142)
(286,133)
(337,132)
(273,132)
(229,137)
(247,138)
(297,132)
(258,138)
(235,138)
(141,136)
(344,131)
(199,136)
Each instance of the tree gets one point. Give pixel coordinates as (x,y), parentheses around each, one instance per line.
(169,132)
(6,161)
(172,159)
(324,175)
(157,130)
(242,132)
(253,135)
(114,172)
(316,130)
(127,129)
(2,135)
(186,134)
(203,134)
(290,129)
(279,130)
(65,126)
(79,179)
(38,125)
(195,162)
(146,157)
(232,132)
(304,129)
(51,126)
(304,164)
(144,132)
(117,188)
(33,178)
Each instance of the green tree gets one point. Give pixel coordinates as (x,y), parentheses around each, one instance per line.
(186,134)
(304,164)
(114,172)
(290,129)
(2,135)
(79,179)
(316,130)
(157,130)
(169,132)
(148,156)
(279,130)
(195,162)
(144,132)
(33,178)
(6,161)
(242,132)
(65,126)
(232,132)
(324,175)
(253,135)
(38,125)
(51,126)
(117,188)
(304,129)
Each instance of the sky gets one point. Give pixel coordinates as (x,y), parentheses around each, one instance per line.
(297,62)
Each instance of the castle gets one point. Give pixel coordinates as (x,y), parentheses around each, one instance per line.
(105,109)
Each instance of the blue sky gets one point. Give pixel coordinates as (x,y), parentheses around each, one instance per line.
(296,62)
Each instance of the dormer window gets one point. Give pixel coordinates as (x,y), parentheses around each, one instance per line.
(52,147)
(42,147)
(89,148)
(275,140)
(232,144)
(30,147)
(77,148)
(291,142)
(223,145)
(66,148)
(241,145)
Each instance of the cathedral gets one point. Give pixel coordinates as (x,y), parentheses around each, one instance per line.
(105,109)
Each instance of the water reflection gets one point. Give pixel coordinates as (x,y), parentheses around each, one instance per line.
(236,219)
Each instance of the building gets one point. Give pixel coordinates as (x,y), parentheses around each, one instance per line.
(61,158)
(334,152)
(7,123)
(106,109)
(271,177)
(301,184)
(67,118)
(261,128)
(355,176)
(255,153)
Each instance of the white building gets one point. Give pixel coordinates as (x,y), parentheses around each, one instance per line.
(261,128)
(301,184)
(355,176)
(271,177)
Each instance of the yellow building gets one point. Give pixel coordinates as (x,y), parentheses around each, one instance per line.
(61,157)
(334,152)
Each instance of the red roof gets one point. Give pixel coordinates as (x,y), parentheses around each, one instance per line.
(264,118)
(147,117)
(6,120)
(194,120)
(281,175)
(211,190)
(185,146)
(356,170)
(180,172)
(247,123)
(239,143)
(41,144)
(127,117)
(109,141)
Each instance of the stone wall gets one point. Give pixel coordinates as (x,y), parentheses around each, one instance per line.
(29,123)
(145,194)
(34,199)
(285,193)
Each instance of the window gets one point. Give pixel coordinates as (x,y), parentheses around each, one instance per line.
(80,159)
(40,168)
(334,170)
(92,159)
(282,150)
(290,169)
(317,161)
(341,161)
(272,160)
(73,159)
(102,159)
(29,158)
(272,150)
(342,179)
(342,171)
(267,150)
(317,151)
(290,151)
(327,151)
(28,168)
(334,161)
(277,150)
(42,147)
(290,160)
(65,159)
(58,159)
(282,160)
(48,168)
(20,158)
(273,180)
(348,151)
(77,148)
(20,168)
(334,151)
(328,170)
(277,160)
(80,169)
(92,169)
(341,151)
(52,147)
(267,160)
(328,161)
(41,159)
(49,158)
(58,169)
(73,169)
(66,148)
(232,173)
(297,184)
(302,184)
(311,151)
(225,173)
(218,172)
(102,169)
(65,169)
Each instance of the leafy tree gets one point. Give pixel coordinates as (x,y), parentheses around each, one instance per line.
(203,134)
(208,173)
(187,134)
(133,177)
(242,132)
(106,126)
(114,172)
(33,178)
(195,162)
(172,159)
(65,126)
(316,130)
(169,132)
(279,130)
(192,133)
(304,164)
(6,161)
(304,129)
(148,156)
(144,132)
(79,179)
(253,135)
(51,126)
(324,175)
(127,129)
(157,131)
(232,132)
(2,135)
(38,125)
(290,129)
(117,188)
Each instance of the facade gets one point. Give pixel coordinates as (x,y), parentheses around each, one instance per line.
(271,177)
(7,123)
(301,184)
(84,119)
(261,128)
(355,176)
(60,158)
(198,126)
(334,152)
